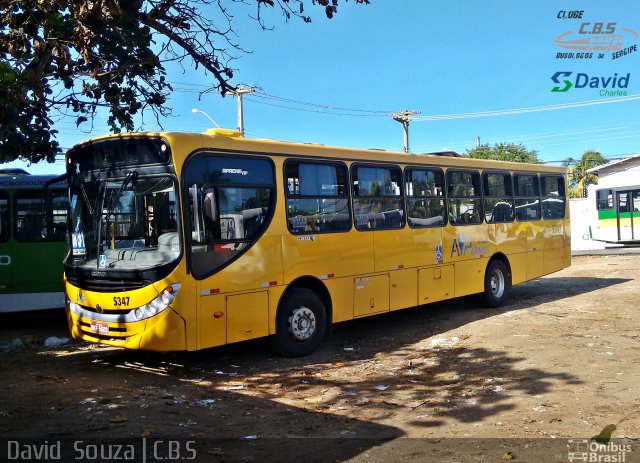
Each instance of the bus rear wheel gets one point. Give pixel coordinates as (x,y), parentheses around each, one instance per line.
(497,282)
(301,322)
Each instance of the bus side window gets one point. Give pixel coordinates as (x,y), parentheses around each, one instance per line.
(464,197)
(377,197)
(425,197)
(30,216)
(57,221)
(604,199)
(527,193)
(4,216)
(553,196)
(498,197)
(317,197)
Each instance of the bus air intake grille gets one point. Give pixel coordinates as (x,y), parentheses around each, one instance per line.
(107,285)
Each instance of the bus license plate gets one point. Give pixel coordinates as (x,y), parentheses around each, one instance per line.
(100,328)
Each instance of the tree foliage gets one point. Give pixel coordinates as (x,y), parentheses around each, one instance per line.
(68,58)
(503,152)
(579,177)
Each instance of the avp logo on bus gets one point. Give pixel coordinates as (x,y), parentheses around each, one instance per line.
(461,245)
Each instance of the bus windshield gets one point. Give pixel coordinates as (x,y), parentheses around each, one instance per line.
(128,223)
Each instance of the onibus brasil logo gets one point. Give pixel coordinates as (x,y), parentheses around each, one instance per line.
(585,450)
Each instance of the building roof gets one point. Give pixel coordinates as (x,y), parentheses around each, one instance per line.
(614,164)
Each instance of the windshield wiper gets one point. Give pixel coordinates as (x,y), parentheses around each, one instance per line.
(131,175)
(80,183)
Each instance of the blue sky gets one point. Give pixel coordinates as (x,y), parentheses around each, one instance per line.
(437,57)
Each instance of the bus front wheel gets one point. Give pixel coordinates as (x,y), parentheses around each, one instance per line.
(497,282)
(300,323)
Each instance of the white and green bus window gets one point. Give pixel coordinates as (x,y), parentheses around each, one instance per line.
(527,197)
(425,197)
(604,199)
(498,197)
(317,197)
(59,207)
(4,216)
(464,196)
(30,216)
(553,196)
(377,197)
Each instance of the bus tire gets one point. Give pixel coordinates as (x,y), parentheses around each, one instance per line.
(497,282)
(301,323)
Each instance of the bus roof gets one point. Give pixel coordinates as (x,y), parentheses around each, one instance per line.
(233,141)
(28,181)
(12,171)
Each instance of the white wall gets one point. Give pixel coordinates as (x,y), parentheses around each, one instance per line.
(581,217)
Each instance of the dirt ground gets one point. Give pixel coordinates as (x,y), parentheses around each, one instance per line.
(561,360)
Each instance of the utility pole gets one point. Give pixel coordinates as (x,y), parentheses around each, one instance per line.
(404,117)
(238,92)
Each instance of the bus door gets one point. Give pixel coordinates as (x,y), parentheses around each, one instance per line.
(625,227)
(628,215)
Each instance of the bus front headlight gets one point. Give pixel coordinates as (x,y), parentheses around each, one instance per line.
(160,303)
(73,307)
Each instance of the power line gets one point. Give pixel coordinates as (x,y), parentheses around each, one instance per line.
(535,137)
(532,109)
(321,106)
(287,103)
(617,157)
(319,109)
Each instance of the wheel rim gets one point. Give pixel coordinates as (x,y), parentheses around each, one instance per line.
(302,323)
(497,283)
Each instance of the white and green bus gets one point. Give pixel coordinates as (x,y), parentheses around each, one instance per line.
(33,226)
(617,214)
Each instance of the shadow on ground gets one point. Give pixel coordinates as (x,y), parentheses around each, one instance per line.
(239,392)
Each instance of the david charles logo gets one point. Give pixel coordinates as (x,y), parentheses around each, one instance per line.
(609,85)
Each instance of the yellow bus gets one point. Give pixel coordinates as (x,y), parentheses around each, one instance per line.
(187,241)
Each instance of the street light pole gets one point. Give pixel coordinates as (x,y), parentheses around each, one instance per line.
(196,110)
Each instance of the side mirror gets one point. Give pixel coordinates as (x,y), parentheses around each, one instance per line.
(210,209)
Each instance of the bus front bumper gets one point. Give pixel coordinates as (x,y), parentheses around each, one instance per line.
(165,331)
